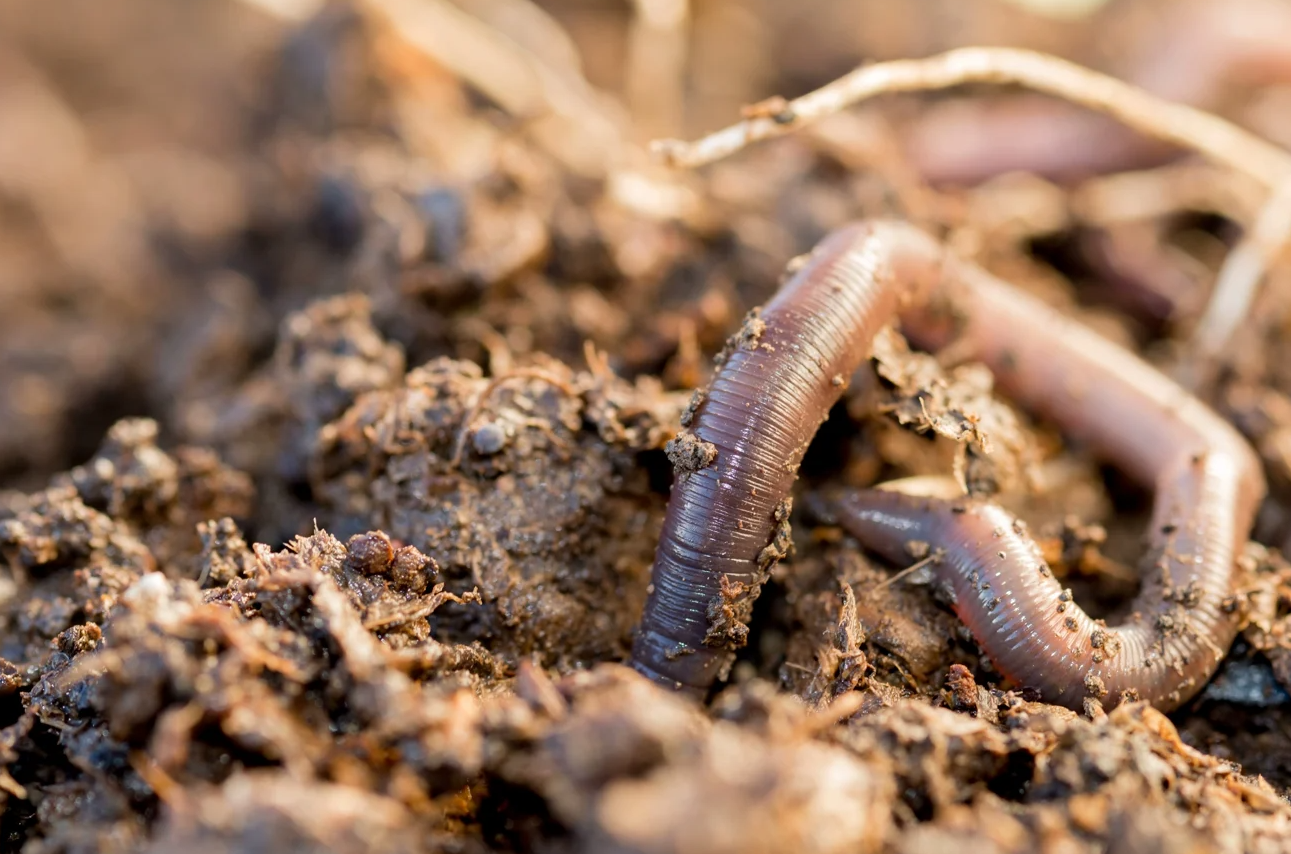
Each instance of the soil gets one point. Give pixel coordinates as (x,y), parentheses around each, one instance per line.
(339,405)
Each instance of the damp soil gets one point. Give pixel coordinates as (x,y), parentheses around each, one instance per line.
(339,406)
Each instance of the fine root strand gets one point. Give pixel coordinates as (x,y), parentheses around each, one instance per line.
(1209,135)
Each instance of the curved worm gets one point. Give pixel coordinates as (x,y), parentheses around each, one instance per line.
(727,523)
(1201,55)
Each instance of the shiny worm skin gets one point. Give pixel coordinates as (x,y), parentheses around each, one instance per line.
(738,458)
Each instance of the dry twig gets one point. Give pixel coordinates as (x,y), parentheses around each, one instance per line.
(1239,278)
(656,64)
(1210,135)
(564,113)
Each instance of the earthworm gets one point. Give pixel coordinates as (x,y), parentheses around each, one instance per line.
(1198,55)
(736,461)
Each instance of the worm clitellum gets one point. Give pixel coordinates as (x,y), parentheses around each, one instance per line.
(735,463)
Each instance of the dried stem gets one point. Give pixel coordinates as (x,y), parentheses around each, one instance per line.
(1239,278)
(566,115)
(656,65)
(1217,139)
(936,557)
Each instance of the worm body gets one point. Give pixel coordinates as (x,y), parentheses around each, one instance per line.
(738,456)
(1030,627)
(727,517)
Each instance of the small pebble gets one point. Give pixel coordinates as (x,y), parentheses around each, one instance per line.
(488,439)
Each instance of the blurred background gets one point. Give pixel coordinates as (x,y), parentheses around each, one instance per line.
(176,178)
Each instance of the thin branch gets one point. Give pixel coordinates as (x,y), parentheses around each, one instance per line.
(1219,140)
(1239,279)
(655,70)
(937,556)
(565,113)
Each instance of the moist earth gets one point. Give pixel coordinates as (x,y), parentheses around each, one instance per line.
(340,406)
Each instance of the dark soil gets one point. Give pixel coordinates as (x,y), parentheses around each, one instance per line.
(339,407)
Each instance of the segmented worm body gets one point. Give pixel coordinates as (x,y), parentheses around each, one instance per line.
(726,523)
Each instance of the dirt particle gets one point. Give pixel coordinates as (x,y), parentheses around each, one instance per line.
(729,612)
(489,439)
(991,448)
(961,689)
(1190,595)
(750,335)
(411,570)
(728,615)
(696,400)
(748,338)
(678,651)
(781,545)
(689,453)
(78,639)
(369,553)
(225,555)
(1109,642)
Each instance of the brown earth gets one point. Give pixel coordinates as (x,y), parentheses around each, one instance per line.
(334,399)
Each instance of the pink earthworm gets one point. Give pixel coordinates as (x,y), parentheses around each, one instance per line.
(744,437)
(1197,53)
